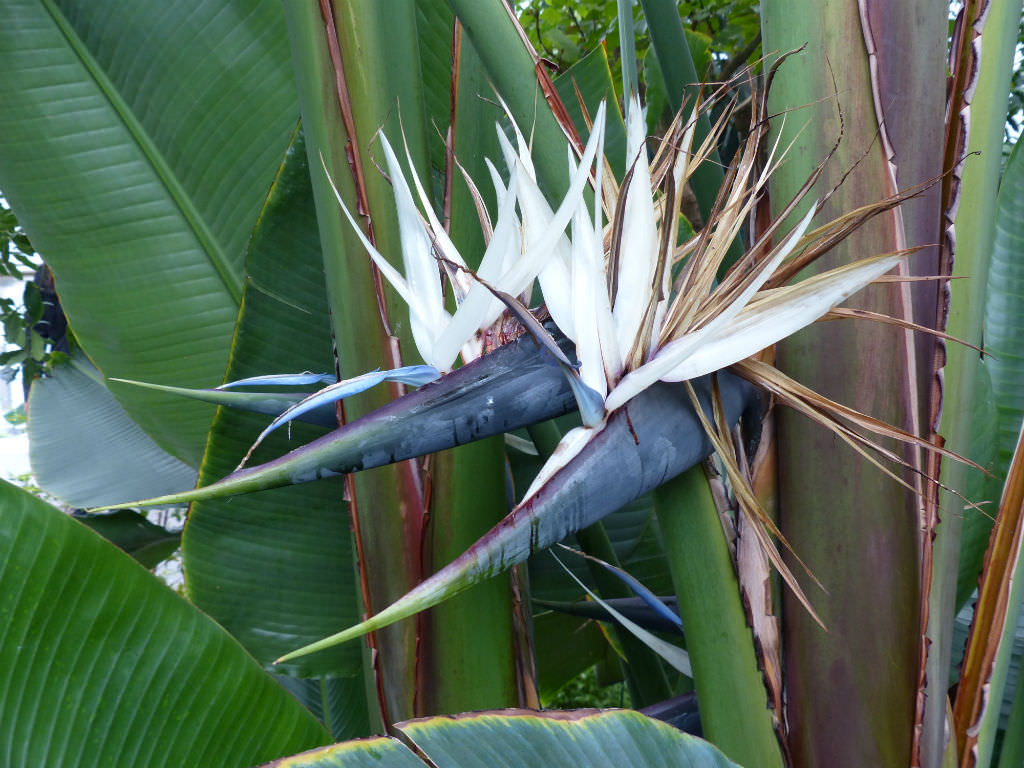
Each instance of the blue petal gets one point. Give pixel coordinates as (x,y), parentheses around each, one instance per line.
(281,380)
(651,599)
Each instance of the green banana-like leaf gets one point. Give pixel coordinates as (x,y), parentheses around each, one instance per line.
(104,665)
(268,573)
(139,142)
(338,702)
(1004,311)
(523,739)
(85,449)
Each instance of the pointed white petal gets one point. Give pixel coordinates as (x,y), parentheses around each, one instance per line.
(566,450)
(524,147)
(391,274)
(767,320)
(775,317)
(421,268)
(480,307)
(499,185)
(448,249)
(639,251)
(554,274)
(585,302)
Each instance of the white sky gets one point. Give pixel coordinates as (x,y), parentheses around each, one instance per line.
(13,440)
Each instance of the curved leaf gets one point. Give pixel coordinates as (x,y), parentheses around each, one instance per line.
(139,142)
(656,604)
(1004,310)
(524,739)
(656,437)
(86,450)
(104,665)
(633,608)
(268,573)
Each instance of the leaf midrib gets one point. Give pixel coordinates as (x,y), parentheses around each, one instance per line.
(218,259)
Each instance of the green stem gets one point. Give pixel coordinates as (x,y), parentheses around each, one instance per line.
(730,688)
(975,231)
(467,657)
(390,535)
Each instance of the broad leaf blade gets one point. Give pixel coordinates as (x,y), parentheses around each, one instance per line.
(583,737)
(86,450)
(266,571)
(131,532)
(139,141)
(524,739)
(121,676)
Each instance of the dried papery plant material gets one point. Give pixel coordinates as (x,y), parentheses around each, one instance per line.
(763,526)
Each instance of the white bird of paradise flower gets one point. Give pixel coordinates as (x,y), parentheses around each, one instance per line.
(639,308)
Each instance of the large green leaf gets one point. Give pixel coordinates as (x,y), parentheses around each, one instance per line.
(1004,310)
(103,665)
(86,450)
(524,739)
(139,141)
(276,566)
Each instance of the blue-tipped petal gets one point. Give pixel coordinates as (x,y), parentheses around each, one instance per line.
(637,588)
(281,380)
(674,655)
(633,608)
(413,375)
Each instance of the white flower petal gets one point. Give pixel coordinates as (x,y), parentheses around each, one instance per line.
(566,450)
(773,318)
(638,255)
(422,272)
(778,314)
(391,274)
